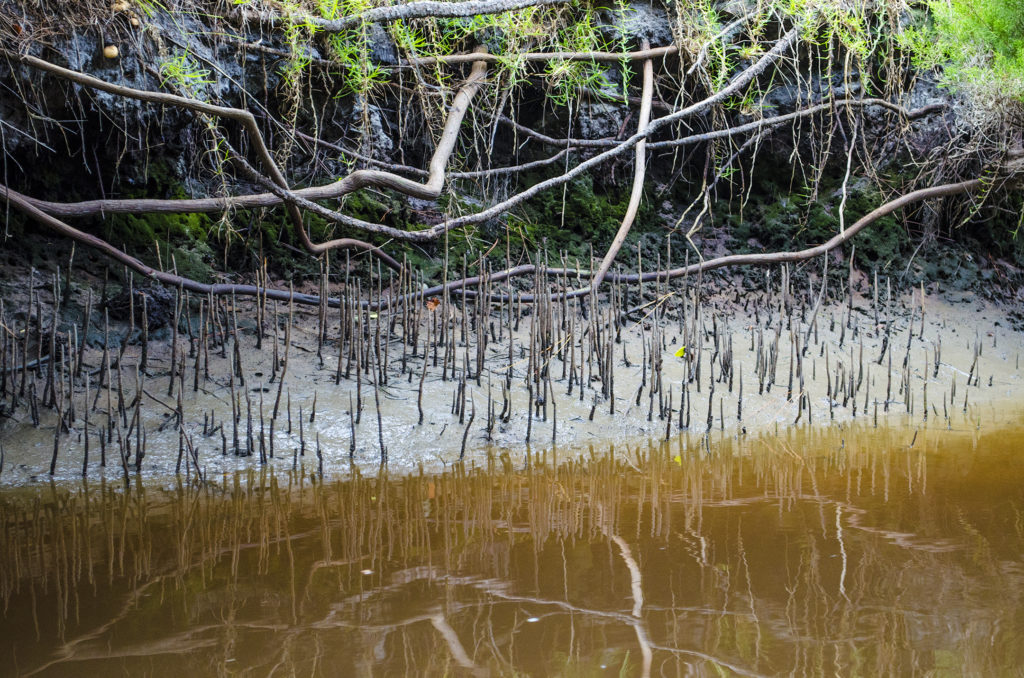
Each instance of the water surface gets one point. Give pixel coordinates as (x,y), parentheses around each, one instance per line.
(844,550)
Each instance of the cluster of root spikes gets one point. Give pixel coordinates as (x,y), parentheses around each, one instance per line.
(491,364)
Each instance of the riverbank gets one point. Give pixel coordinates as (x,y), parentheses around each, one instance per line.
(256,383)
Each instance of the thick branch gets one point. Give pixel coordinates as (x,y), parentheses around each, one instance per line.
(240,115)
(429,8)
(709,264)
(307,195)
(738,83)
(639,172)
(20,202)
(615,57)
(753,126)
(362,178)
(355,181)
(329,191)
(454,59)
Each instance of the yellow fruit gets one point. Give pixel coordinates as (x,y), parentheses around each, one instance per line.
(110,51)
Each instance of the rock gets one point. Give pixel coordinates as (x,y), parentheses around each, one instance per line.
(378,142)
(599,120)
(637,22)
(381,48)
(159,305)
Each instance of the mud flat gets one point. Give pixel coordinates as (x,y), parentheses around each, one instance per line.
(180,386)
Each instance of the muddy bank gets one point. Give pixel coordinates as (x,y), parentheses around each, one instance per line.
(252,383)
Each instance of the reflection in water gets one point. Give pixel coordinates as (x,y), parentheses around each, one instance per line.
(844,551)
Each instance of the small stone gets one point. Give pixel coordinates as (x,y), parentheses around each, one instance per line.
(110,51)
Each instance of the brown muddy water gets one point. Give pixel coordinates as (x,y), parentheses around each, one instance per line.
(842,550)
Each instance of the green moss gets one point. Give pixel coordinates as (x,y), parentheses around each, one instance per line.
(160,239)
(775,221)
(573,219)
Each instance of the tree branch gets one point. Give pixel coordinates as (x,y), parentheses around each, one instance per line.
(637,55)
(639,172)
(278,184)
(729,260)
(20,202)
(428,8)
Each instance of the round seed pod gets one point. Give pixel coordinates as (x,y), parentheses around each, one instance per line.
(110,51)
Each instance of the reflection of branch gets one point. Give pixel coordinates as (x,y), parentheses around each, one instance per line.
(637,585)
(178,644)
(69,652)
(635,578)
(842,550)
(459,653)
(624,618)
(708,658)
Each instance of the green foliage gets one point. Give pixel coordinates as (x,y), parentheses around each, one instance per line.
(567,77)
(508,35)
(350,48)
(978,43)
(184,73)
(298,31)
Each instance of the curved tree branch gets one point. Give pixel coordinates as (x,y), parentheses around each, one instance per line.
(20,202)
(428,8)
(638,55)
(278,184)
(435,180)
(247,120)
(430,189)
(725,261)
(330,191)
(639,173)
